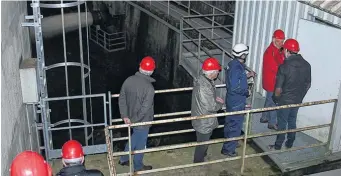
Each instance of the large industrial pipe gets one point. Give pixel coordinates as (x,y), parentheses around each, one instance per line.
(52,25)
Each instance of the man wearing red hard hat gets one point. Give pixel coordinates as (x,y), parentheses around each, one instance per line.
(272,59)
(136,104)
(30,163)
(293,81)
(73,161)
(205,102)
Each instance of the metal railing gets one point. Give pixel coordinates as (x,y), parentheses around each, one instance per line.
(110,42)
(246,136)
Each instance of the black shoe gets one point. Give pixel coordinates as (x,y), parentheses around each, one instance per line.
(263,121)
(145,168)
(126,163)
(229,154)
(273,127)
(273,147)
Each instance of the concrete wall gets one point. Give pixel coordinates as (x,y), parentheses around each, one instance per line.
(15,46)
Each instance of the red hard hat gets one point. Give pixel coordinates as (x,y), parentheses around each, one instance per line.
(292,45)
(72,149)
(211,64)
(147,64)
(29,163)
(279,34)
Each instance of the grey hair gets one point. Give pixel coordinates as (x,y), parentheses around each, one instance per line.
(73,161)
(145,72)
(207,73)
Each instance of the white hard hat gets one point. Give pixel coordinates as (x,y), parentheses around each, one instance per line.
(240,49)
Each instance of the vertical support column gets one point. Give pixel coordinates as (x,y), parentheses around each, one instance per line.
(66,73)
(189,7)
(168,7)
(222,72)
(89,76)
(82,74)
(42,87)
(199,60)
(212,24)
(245,140)
(181,38)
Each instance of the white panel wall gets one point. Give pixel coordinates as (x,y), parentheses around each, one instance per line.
(255,22)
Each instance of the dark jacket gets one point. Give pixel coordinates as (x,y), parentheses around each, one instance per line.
(294,78)
(236,86)
(78,170)
(136,99)
(204,103)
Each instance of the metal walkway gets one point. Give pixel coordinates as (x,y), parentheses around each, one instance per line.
(192,45)
(288,161)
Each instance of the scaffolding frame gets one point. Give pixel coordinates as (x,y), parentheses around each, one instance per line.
(245,137)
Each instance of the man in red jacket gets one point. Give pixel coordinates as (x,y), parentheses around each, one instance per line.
(273,57)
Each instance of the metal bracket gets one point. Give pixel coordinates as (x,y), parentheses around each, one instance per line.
(28,24)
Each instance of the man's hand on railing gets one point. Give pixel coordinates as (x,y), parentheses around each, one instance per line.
(220,100)
(126,120)
(251,74)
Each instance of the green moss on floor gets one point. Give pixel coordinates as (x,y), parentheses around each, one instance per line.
(253,167)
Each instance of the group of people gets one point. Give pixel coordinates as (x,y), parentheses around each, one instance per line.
(286,78)
(30,163)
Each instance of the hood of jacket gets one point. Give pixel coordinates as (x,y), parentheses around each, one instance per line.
(295,60)
(145,77)
(71,170)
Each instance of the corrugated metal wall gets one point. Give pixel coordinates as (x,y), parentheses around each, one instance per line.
(255,22)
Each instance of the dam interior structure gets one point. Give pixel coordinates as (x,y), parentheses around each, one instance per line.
(190,31)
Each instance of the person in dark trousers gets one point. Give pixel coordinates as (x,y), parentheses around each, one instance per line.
(205,102)
(236,94)
(136,104)
(272,59)
(293,81)
(73,161)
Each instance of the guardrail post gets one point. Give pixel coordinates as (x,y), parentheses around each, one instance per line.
(212,24)
(245,140)
(130,157)
(331,128)
(110,118)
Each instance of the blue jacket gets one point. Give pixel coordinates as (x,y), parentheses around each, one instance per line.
(236,86)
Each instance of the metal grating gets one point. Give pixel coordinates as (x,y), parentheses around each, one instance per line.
(332,7)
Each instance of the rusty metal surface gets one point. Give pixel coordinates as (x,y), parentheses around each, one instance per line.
(110,157)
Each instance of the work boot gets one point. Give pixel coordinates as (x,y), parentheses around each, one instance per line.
(229,154)
(126,163)
(145,168)
(273,127)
